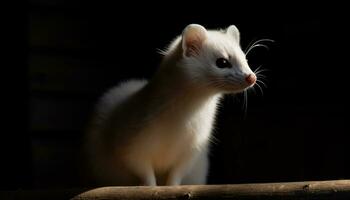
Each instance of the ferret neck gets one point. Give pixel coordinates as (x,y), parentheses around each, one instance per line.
(172,87)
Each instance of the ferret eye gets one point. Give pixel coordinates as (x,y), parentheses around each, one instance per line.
(223,63)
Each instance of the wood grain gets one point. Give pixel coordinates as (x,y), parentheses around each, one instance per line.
(339,189)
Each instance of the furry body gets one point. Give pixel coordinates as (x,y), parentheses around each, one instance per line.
(158,132)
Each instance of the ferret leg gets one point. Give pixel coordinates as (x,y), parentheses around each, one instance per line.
(145,173)
(192,171)
(177,173)
(198,173)
(148,177)
(174,178)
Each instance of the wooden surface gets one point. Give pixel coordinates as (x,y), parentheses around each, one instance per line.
(294,190)
(339,189)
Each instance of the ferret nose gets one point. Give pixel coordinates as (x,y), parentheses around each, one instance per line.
(250,79)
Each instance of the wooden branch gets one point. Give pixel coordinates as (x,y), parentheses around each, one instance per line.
(313,190)
(295,190)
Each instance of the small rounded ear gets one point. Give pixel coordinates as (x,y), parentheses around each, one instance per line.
(193,37)
(234,32)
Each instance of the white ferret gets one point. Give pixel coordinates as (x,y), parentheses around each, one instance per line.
(158,132)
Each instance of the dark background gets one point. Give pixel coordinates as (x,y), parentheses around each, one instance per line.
(68,53)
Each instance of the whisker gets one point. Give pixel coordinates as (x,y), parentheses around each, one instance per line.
(256,70)
(233,78)
(260,75)
(262,78)
(262,83)
(256,44)
(263,40)
(161,51)
(233,81)
(252,89)
(249,45)
(263,70)
(257,41)
(261,90)
(245,104)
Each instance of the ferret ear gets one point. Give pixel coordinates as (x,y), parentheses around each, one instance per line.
(193,37)
(234,32)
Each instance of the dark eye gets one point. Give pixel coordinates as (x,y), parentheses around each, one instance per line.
(223,63)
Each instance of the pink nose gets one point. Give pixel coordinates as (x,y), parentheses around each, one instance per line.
(250,79)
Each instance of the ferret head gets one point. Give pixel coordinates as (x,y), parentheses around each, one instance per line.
(214,59)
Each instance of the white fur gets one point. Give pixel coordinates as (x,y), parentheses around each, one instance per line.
(159,132)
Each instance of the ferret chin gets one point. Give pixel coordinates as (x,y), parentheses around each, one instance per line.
(158,132)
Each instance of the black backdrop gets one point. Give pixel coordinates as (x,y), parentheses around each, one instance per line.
(295,131)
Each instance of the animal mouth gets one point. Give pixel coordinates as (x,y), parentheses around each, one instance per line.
(240,86)
(233,84)
(235,88)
